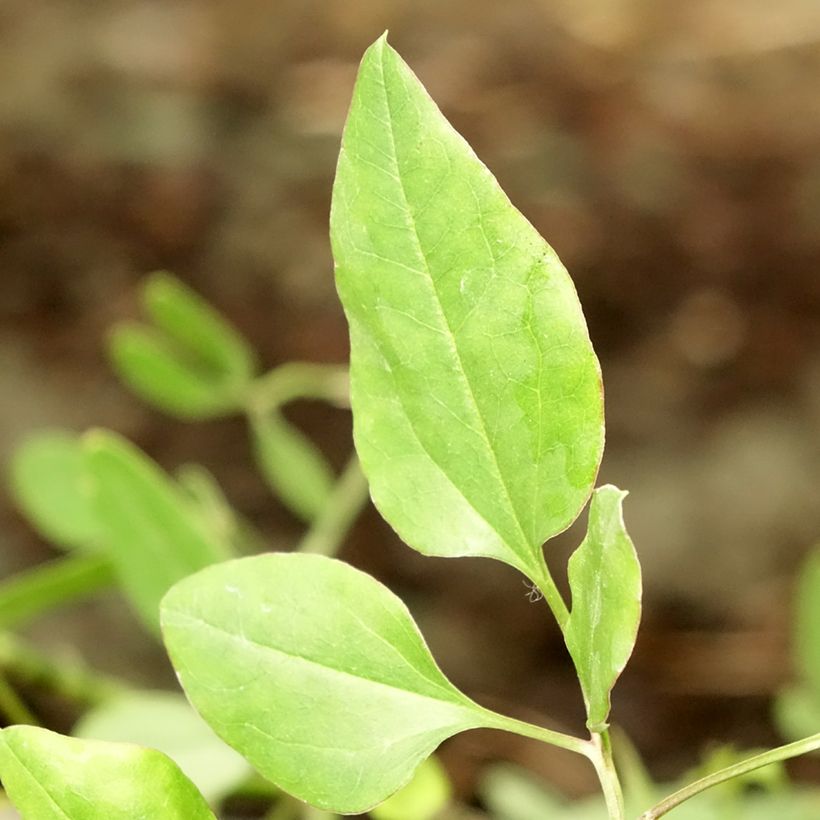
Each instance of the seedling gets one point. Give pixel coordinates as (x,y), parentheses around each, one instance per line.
(478,419)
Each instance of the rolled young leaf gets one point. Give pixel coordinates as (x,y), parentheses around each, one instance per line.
(605,581)
(323,681)
(153,533)
(476,395)
(51,777)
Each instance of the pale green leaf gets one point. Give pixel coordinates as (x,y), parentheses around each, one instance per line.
(198,328)
(153,533)
(807,624)
(423,798)
(605,580)
(476,394)
(165,721)
(153,368)
(316,673)
(293,467)
(51,777)
(797,712)
(49,485)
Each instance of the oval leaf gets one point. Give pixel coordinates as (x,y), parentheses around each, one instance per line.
(155,536)
(605,580)
(51,777)
(323,680)
(165,721)
(293,467)
(50,486)
(476,394)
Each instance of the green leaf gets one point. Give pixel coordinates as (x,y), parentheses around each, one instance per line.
(191,363)
(155,535)
(293,467)
(323,681)
(154,369)
(197,327)
(605,580)
(51,777)
(423,798)
(49,485)
(807,624)
(476,394)
(165,721)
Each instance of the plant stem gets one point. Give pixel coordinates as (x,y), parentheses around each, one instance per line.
(345,502)
(12,705)
(69,679)
(299,380)
(30,593)
(607,775)
(800,747)
(520,727)
(546,586)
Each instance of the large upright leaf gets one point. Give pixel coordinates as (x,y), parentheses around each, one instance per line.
(605,580)
(153,532)
(316,673)
(51,777)
(476,394)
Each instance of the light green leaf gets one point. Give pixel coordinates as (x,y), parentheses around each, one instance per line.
(293,467)
(165,721)
(154,534)
(423,798)
(51,777)
(807,624)
(49,485)
(323,681)
(154,369)
(605,580)
(191,363)
(197,327)
(476,394)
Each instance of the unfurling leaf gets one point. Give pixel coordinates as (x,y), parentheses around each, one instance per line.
(605,580)
(323,683)
(476,395)
(51,777)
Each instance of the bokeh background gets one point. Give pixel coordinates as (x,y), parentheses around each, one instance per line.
(670,152)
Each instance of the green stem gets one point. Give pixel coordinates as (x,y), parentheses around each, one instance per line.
(777,755)
(12,706)
(546,586)
(336,517)
(69,679)
(30,593)
(607,775)
(299,380)
(520,727)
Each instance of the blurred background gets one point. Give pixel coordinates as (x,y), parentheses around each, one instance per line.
(669,152)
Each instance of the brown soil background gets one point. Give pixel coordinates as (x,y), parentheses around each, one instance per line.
(670,152)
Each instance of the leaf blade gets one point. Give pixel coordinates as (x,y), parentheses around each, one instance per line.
(605,580)
(457,310)
(52,777)
(341,698)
